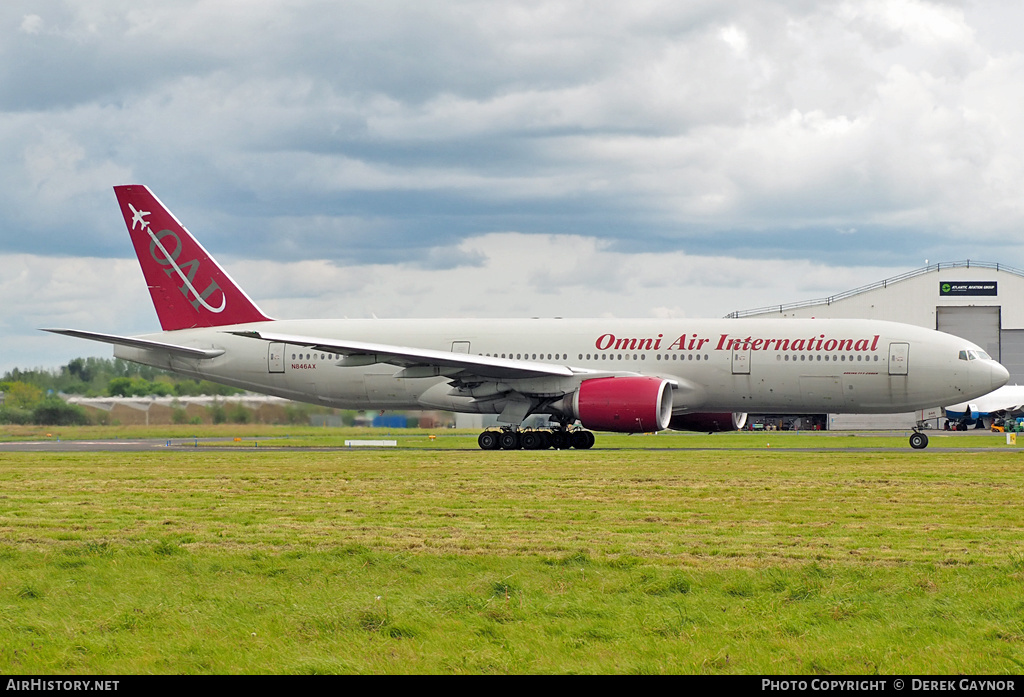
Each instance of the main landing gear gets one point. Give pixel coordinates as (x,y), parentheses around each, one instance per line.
(535,439)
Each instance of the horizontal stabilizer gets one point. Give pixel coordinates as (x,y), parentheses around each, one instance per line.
(186,351)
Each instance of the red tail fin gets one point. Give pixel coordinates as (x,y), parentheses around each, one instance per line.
(188,286)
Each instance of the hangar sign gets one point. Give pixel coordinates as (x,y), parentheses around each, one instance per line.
(965,288)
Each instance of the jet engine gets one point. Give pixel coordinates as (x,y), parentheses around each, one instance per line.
(708,422)
(626,404)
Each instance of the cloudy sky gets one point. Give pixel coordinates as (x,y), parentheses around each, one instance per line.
(473,159)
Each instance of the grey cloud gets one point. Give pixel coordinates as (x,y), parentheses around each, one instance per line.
(385,134)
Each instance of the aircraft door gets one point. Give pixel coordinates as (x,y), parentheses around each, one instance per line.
(741,361)
(275,357)
(899,358)
(460,347)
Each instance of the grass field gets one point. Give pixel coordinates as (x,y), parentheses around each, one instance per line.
(605,561)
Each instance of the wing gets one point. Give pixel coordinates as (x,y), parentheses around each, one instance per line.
(515,388)
(418,362)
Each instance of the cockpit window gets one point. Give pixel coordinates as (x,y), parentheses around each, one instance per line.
(973,355)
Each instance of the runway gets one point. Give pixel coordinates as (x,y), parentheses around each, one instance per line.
(824,442)
(58,446)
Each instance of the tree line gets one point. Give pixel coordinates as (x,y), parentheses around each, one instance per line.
(33,396)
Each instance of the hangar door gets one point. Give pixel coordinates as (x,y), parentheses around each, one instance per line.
(978,324)
(1012,347)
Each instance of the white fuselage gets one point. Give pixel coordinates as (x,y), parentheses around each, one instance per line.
(738,365)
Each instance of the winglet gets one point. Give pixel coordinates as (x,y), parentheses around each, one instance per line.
(189,288)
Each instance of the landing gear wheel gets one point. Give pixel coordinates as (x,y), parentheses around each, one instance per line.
(582,440)
(561,440)
(918,441)
(488,440)
(509,440)
(532,440)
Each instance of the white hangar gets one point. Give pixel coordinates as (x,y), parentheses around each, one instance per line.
(982,302)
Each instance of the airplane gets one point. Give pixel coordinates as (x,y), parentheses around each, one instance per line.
(619,375)
(1005,402)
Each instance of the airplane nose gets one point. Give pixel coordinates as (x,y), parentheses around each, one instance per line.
(998,375)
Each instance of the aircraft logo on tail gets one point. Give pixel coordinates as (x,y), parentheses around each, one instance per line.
(139,218)
(169,259)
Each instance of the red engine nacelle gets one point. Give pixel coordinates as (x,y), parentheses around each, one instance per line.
(626,405)
(708,422)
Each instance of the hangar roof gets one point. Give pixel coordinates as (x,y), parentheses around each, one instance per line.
(969,267)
